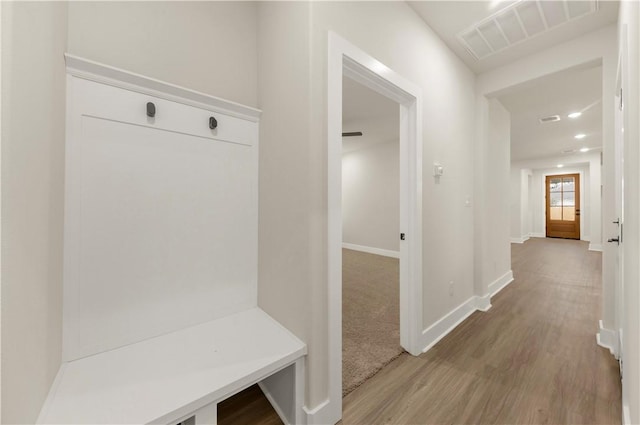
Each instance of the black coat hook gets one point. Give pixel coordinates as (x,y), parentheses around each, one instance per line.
(213,123)
(151,109)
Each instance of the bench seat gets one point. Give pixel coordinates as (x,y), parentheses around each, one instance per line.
(168,378)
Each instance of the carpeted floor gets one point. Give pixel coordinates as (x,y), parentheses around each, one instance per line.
(370,316)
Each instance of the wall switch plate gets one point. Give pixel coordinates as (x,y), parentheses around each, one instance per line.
(438,170)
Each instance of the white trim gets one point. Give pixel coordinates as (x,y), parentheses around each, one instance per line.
(434,333)
(626,414)
(595,247)
(521,239)
(319,415)
(347,59)
(500,283)
(483,303)
(537,235)
(95,71)
(607,338)
(3,90)
(372,250)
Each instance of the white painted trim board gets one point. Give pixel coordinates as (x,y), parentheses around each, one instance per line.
(99,72)
(500,283)
(607,338)
(371,250)
(434,333)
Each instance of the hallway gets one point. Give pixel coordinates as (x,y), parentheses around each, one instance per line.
(532,358)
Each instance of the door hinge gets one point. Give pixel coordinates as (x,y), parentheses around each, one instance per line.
(401,236)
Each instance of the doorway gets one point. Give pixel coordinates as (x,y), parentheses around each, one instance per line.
(345,59)
(371,229)
(563,206)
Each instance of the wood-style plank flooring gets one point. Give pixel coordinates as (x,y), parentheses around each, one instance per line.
(531,359)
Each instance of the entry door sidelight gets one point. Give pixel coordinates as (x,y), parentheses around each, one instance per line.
(563,206)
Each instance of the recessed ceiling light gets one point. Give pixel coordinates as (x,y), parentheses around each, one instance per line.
(574,114)
(584,150)
(560,165)
(580,136)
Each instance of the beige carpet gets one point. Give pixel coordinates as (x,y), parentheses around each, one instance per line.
(370,316)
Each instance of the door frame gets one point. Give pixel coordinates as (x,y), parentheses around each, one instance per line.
(577,208)
(346,59)
(568,170)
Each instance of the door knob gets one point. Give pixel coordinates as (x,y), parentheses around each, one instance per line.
(616,240)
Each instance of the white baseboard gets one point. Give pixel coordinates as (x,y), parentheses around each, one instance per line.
(537,235)
(321,414)
(607,338)
(442,327)
(500,283)
(483,303)
(521,239)
(372,250)
(626,414)
(595,247)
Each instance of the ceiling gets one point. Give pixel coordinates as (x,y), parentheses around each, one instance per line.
(365,110)
(450,18)
(558,94)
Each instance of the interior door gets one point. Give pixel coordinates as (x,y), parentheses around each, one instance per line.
(563,206)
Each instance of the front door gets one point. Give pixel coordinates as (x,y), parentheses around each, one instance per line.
(563,206)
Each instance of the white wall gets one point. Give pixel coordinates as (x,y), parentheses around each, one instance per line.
(371,196)
(492,214)
(293,167)
(205,46)
(520,206)
(33,102)
(630,18)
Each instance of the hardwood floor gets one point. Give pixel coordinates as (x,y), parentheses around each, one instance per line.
(531,359)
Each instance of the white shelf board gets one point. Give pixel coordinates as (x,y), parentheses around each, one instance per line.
(165,378)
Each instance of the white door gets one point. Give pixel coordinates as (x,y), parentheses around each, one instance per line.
(620,120)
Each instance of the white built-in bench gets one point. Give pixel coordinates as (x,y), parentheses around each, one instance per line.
(160,316)
(171,378)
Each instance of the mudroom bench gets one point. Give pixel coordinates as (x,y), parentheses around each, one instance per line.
(180,377)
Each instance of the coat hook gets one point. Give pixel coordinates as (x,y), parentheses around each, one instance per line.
(151,109)
(213,123)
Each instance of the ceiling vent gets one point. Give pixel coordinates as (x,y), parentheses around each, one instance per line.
(552,118)
(521,21)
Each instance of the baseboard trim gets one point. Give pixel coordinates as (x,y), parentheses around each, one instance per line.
(607,338)
(500,283)
(372,250)
(434,333)
(537,235)
(626,414)
(595,247)
(320,415)
(521,239)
